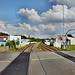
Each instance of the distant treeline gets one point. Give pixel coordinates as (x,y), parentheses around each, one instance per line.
(22,36)
(3,34)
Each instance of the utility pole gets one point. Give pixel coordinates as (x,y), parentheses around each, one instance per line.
(29,38)
(63,20)
(64,47)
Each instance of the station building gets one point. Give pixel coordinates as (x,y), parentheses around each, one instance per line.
(69,40)
(47,42)
(4,39)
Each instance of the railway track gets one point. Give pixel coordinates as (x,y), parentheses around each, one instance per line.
(31,45)
(47,48)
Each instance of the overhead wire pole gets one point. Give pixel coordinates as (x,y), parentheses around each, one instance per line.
(63,20)
(70,30)
(63,30)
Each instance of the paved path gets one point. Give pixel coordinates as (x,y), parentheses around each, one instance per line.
(6,58)
(19,66)
(72,53)
(50,63)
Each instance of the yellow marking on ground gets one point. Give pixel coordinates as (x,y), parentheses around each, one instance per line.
(27,50)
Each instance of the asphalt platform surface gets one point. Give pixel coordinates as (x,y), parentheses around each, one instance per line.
(50,63)
(19,66)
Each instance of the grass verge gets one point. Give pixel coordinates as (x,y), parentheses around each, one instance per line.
(39,47)
(56,48)
(15,50)
(69,48)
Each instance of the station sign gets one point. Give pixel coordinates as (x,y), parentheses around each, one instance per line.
(62,38)
(2,40)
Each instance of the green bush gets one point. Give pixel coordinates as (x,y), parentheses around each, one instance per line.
(8,43)
(2,45)
(13,43)
(17,42)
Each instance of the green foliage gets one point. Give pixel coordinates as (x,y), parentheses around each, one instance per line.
(8,43)
(22,47)
(56,48)
(2,45)
(23,37)
(43,41)
(35,39)
(47,39)
(3,34)
(11,44)
(69,48)
(39,47)
(12,50)
(17,42)
(16,49)
(14,43)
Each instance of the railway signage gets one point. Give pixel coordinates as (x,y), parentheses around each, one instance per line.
(62,38)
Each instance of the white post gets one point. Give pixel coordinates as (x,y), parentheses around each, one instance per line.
(63,30)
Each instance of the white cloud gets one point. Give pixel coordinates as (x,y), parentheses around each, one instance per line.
(20,24)
(22,29)
(68,2)
(27,29)
(2,24)
(35,29)
(47,28)
(69,26)
(45,31)
(12,27)
(27,26)
(55,15)
(30,14)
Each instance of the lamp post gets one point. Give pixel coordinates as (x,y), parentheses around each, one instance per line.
(63,20)
(64,47)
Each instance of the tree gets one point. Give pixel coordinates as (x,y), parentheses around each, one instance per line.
(2,44)
(43,41)
(3,34)
(14,43)
(17,42)
(8,43)
(23,37)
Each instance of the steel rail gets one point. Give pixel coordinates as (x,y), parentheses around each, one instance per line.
(46,48)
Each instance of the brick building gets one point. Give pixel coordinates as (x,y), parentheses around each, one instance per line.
(3,38)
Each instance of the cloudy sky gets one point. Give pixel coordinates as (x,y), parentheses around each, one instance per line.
(37,18)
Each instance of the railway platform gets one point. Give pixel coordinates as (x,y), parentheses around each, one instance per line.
(50,63)
(31,61)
